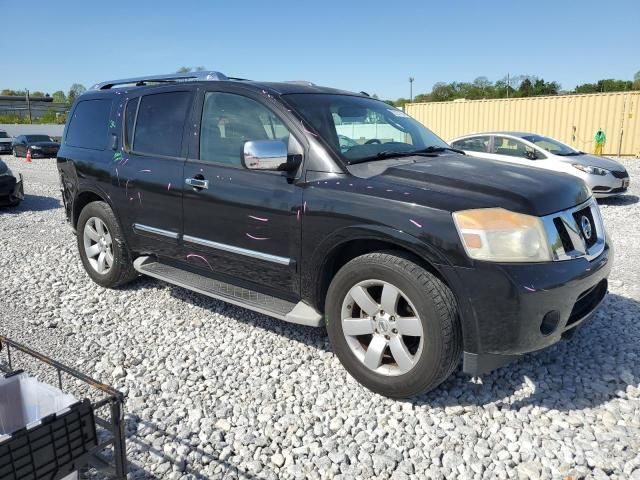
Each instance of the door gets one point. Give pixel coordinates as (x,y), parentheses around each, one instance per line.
(243,224)
(147,173)
(508,149)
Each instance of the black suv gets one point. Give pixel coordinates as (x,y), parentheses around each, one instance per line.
(324,207)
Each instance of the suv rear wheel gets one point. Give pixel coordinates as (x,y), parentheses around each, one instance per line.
(393,324)
(102,247)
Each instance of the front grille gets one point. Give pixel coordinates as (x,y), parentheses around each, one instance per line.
(621,174)
(577,232)
(587,302)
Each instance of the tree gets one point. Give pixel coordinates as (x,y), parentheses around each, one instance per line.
(526,88)
(75,91)
(37,93)
(59,97)
(13,93)
(441,92)
(636,81)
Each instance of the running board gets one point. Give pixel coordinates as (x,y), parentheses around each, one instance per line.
(299,313)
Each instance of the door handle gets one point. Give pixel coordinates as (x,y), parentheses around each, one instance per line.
(197,183)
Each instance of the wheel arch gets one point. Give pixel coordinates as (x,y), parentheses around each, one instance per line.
(336,252)
(85,197)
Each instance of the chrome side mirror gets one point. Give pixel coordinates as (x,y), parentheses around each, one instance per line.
(265,155)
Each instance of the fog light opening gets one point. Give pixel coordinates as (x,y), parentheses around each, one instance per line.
(550,322)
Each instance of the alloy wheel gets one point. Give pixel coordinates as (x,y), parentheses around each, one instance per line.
(98,245)
(382,327)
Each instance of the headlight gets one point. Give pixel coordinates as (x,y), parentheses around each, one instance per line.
(498,235)
(590,170)
(34,147)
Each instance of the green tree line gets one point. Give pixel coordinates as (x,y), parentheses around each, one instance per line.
(57,97)
(513,87)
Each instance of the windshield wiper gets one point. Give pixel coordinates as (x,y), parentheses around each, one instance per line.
(433,148)
(570,154)
(430,151)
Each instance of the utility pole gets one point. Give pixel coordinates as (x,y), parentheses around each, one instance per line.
(28,105)
(411,79)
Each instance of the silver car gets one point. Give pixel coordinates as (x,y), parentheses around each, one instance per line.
(604,176)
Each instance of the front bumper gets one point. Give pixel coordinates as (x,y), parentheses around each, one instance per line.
(43,153)
(609,185)
(11,189)
(508,310)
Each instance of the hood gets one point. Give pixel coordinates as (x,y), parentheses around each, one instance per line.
(44,144)
(593,161)
(459,182)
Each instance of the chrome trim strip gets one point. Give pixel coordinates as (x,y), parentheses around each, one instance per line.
(157,231)
(237,250)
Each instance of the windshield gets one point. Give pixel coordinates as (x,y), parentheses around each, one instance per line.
(38,138)
(4,134)
(551,145)
(360,128)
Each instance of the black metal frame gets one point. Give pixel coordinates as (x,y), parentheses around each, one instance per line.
(112,398)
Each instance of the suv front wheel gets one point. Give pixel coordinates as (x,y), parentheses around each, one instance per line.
(393,324)
(102,247)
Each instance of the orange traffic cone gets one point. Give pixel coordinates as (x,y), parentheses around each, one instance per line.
(28,159)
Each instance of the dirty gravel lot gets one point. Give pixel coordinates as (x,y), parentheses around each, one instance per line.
(216,391)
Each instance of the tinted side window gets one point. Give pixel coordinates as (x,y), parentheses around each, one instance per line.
(509,146)
(89,124)
(473,144)
(160,123)
(229,120)
(130,121)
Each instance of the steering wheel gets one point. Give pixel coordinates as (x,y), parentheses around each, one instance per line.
(372,141)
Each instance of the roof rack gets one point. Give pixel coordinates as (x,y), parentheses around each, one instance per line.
(171,77)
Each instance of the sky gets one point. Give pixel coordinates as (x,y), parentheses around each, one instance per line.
(355,45)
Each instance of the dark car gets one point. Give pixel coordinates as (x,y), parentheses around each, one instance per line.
(5,142)
(41,146)
(413,255)
(11,188)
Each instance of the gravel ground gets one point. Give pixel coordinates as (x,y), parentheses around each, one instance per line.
(216,391)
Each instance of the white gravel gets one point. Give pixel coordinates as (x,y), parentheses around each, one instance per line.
(215,391)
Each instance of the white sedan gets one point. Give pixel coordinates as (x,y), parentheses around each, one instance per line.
(605,177)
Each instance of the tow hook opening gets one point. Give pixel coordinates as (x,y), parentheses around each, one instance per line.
(549,322)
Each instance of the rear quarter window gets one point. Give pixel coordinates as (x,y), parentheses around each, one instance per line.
(89,124)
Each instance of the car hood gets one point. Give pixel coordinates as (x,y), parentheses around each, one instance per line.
(593,161)
(6,140)
(458,182)
(43,144)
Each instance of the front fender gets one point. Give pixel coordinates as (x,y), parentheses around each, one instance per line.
(333,243)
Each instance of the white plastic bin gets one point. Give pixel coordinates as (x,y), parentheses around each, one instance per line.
(24,401)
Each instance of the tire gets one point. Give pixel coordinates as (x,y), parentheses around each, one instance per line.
(424,307)
(109,239)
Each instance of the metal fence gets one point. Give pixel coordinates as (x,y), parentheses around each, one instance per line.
(572,119)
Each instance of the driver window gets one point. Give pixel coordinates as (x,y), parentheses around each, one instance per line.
(229,120)
(510,147)
(359,126)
